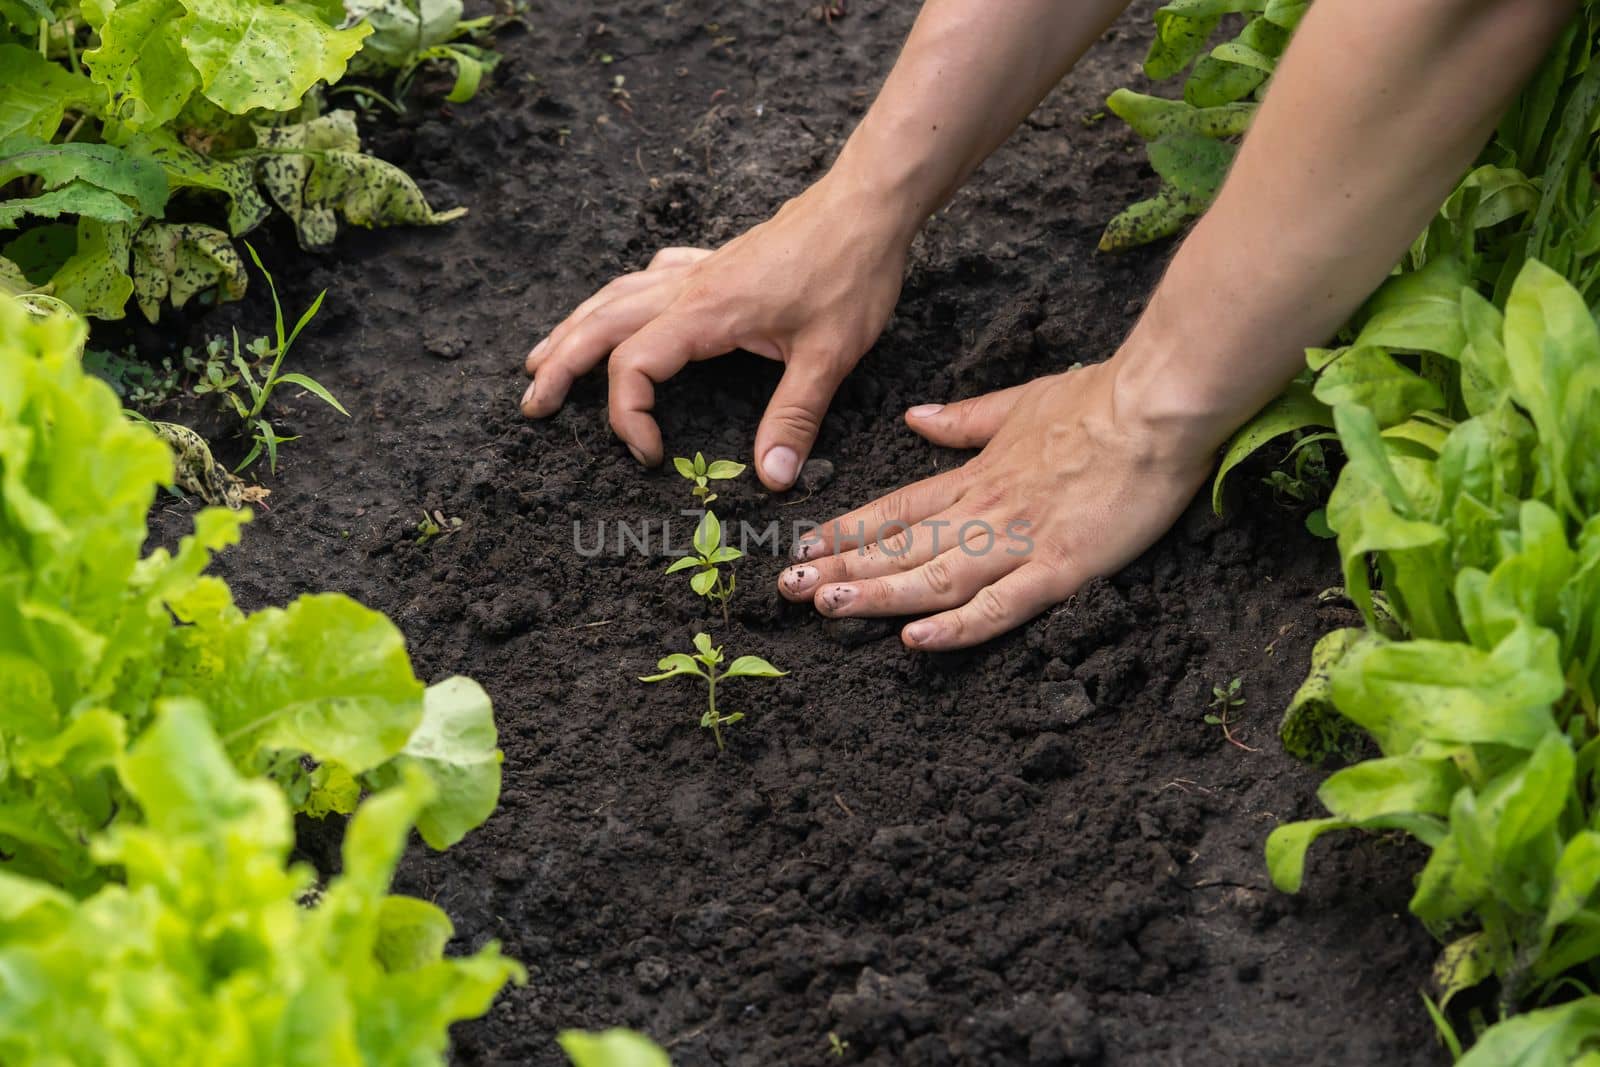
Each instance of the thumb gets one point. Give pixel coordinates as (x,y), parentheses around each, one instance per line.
(965,423)
(789,428)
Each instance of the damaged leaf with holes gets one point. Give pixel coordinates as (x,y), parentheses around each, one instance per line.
(316,173)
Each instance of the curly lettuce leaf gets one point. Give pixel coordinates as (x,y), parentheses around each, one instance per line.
(207,955)
(455,744)
(141,62)
(251,54)
(35,94)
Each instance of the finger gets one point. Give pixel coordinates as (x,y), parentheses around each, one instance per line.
(965,423)
(794,415)
(652,355)
(677,257)
(904,549)
(993,610)
(603,330)
(885,517)
(617,287)
(947,580)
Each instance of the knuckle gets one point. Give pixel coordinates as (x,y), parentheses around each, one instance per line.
(795,417)
(938,576)
(989,607)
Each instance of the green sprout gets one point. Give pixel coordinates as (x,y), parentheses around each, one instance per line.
(837,1045)
(1225,700)
(702,473)
(704,664)
(708,553)
(435,525)
(260,390)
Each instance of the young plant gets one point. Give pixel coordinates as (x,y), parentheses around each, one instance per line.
(1224,700)
(706,558)
(702,474)
(435,524)
(260,390)
(707,663)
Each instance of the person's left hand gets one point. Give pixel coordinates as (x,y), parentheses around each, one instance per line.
(1074,482)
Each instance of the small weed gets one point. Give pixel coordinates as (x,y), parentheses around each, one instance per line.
(434,525)
(707,663)
(837,1046)
(1224,701)
(259,385)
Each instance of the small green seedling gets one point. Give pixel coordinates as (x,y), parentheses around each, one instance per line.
(435,525)
(701,473)
(1224,700)
(837,1045)
(705,663)
(260,390)
(709,553)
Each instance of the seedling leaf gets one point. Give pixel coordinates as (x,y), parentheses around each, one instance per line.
(752,667)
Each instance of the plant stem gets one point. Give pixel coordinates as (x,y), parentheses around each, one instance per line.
(711,700)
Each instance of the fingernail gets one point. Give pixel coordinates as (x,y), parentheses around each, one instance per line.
(636,454)
(923,411)
(540,347)
(840,596)
(527,396)
(800,579)
(807,547)
(920,633)
(781,464)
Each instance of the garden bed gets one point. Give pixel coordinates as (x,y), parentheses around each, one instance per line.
(1034,852)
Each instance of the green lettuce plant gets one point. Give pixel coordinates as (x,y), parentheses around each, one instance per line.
(200,947)
(707,559)
(128,126)
(320,696)
(1479,682)
(706,663)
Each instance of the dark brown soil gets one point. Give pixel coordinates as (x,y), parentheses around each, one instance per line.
(1036,852)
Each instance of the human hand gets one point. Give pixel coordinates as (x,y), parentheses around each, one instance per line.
(811,288)
(1073,483)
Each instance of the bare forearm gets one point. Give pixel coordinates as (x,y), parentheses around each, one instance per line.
(1375,112)
(969,73)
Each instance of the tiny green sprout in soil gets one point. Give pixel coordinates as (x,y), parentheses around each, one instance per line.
(706,559)
(707,663)
(1225,699)
(701,473)
(435,524)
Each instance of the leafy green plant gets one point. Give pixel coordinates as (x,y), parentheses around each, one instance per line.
(408,34)
(130,127)
(706,559)
(1480,691)
(318,696)
(200,945)
(701,474)
(258,390)
(706,663)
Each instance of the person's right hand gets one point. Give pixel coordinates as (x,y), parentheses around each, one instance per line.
(812,287)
